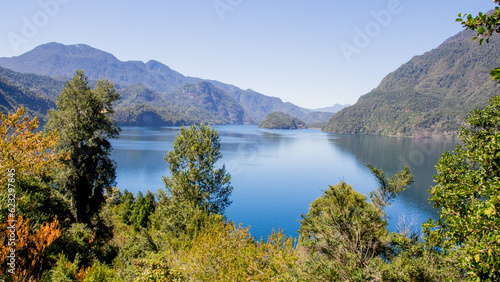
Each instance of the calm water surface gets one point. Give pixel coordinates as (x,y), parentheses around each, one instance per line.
(276,174)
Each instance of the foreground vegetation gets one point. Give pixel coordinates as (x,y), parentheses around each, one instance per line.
(72,224)
(62,219)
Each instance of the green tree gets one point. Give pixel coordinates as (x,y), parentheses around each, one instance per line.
(144,206)
(486,25)
(468,181)
(343,232)
(468,194)
(136,211)
(195,179)
(29,158)
(83,119)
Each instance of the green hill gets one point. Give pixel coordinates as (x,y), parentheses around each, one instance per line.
(208,103)
(429,96)
(280,120)
(317,119)
(191,103)
(25,90)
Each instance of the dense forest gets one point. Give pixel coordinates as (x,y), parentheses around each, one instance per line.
(63,219)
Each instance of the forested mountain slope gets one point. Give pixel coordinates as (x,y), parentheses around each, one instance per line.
(61,61)
(430,95)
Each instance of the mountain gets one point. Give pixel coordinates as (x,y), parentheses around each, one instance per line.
(317,119)
(58,60)
(43,85)
(280,120)
(191,103)
(29,91)
(139,94)
(55,59)
(429,96)
(205,100)
(333,109)
(140,105)
(259,105)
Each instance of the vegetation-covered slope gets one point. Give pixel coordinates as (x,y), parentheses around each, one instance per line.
(430,95)
(28,91)
(58,60)
(191,103)
(280,120)
(317,119)
(209,102)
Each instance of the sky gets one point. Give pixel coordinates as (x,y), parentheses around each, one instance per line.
(311,53)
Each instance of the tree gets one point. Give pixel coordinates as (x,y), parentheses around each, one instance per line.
(24,260)
(343,232)
(24,151)
(27,160)
(468,181)
(486,25)
(136,211)
(468,194)
(194,177)
(224,252)
(83,119)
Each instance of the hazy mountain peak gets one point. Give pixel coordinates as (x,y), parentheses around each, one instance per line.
(154,65)
(333,109)
(59,60)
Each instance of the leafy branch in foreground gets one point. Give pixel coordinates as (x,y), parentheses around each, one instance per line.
(343,232)
(486,25)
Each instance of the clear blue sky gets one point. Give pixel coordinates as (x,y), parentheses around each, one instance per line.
(311,53)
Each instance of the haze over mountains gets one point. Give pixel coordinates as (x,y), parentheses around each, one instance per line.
(152,93)
(429,96)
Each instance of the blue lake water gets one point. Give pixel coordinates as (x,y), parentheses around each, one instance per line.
(276,174)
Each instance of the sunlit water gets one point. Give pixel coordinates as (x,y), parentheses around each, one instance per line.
(276,174)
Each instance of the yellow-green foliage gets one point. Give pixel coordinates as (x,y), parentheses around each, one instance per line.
(224,252)
(24,152)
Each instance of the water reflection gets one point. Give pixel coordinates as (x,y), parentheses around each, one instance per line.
(392,154)
(276,174)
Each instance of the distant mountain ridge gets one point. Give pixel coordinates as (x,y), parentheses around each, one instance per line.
(57,60)
(429,96)
(332,109)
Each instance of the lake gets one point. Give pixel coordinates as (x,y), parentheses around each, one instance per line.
(276,174)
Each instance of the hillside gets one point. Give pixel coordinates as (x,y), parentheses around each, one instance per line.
(259,105)
(139,105)
(29,91)
(191,103)
(58,60)
(429,96)
(317,119)
(280,120)
(207,102)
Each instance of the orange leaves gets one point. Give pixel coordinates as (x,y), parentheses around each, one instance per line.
(27,152)
(24,257)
